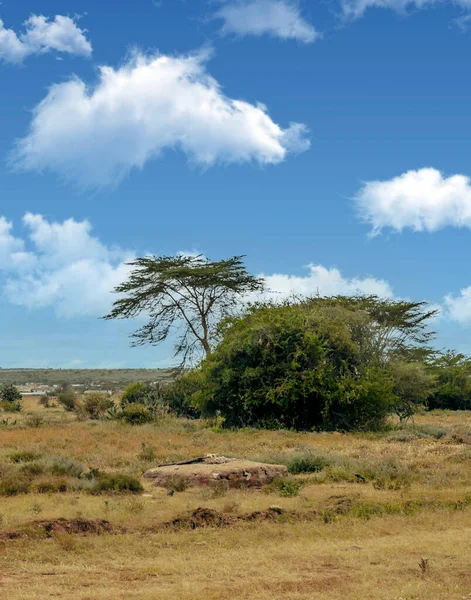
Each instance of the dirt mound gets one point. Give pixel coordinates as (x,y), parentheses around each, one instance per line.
(208,517)
(205,471)
(197,519)
(201,517)
(49,528)
(272,514)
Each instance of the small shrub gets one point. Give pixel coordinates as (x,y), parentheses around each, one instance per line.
(36,509)
(285,486)
(307,462)
(116,482)
(34,421)
(32,469)
(460,435)
(136,393)
(11,407)
(402,435)
(431,431)
(45,401)
(12,485)
(177,483)
(63,466)
(147,453)
(424,565)
(94,405)
(67,398)
(24,456)
(49,485)
(136,414)
(10,393)
(219,488)
(65,541)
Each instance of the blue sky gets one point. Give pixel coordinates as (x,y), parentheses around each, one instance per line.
(141,127)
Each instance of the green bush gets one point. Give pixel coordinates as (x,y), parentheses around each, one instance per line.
(178,395)
(49,485)
(10,394)
(411,386)
(63,466)
(307,462)
(67,398)
(136,414)
(32,469)
(45,401)
(116,482)
(452,386)
(137,393)
(295,366)
(12,485)
(11,407)
(177,483)
(94,405)
(286,487)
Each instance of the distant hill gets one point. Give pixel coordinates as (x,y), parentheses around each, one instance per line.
(82,376)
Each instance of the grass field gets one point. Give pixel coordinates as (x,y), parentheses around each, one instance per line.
(385,516)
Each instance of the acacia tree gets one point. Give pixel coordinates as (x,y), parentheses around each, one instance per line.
(192,293)
(385,329)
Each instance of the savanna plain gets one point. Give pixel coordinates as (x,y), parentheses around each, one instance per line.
(378,515)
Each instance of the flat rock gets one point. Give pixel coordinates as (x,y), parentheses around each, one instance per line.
(235,473)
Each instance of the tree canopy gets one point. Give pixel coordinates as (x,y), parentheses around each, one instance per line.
(322,363)
(188,294)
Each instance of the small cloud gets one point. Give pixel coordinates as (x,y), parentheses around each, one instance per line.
(42,35)
(423,200)
(279,18)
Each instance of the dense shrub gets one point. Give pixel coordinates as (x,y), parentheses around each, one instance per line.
(45,401)
(67,398)
(452,389)
(293,366)
(307,462)
(49,485)
(63,466)
(11,407)
(412,383)
(178,394)
(9,393)
(12,485)
(116,482)
(136,414)
(94,405)
(138,393)
(285,486)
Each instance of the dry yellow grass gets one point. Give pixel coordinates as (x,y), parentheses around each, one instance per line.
(414,506)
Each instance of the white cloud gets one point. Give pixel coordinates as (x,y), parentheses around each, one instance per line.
(422,200)
(458,308)
(353,9)
(12,250)
(278,18)
(325,282)
(64,267)
(42,35)
(67,268)
(96,135)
